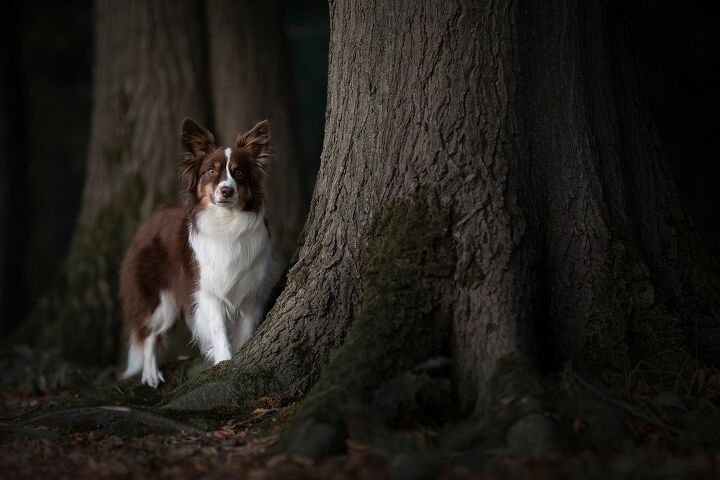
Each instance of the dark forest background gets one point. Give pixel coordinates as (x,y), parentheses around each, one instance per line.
(46,70)
(46,99)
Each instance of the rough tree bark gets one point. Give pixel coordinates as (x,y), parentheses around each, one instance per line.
(250,82)
(148,74)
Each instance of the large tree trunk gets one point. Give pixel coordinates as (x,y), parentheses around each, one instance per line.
(148,74)
(250,82)
(489,187)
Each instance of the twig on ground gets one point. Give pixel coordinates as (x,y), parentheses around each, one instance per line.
(12,429)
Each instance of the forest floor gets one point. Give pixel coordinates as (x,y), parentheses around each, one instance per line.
(37,442)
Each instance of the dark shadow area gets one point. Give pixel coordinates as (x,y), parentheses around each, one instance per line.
(47,77)
(678,53)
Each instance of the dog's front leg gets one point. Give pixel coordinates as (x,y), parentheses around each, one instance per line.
(249,319)
(209,328)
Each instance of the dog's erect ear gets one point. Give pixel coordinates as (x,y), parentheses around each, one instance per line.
(189,170)
(195,138)
(257,140)
(198,142)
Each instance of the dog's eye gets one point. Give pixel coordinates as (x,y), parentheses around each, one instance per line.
(238,173)
(211,171)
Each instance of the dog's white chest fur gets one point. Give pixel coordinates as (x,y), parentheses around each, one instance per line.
(232,249)
(234,258)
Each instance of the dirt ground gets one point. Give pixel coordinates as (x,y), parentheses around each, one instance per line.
(243,449)
(48,431)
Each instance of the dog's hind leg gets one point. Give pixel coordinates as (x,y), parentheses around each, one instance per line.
(160,322)
(134,357)
(151,375)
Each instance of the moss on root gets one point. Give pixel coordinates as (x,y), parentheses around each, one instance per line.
(299,276)
(400,323)
(227,386)
(81,313)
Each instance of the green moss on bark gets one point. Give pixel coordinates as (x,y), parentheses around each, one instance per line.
(401,322)
(299,276)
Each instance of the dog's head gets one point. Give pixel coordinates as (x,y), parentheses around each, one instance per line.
(228,177)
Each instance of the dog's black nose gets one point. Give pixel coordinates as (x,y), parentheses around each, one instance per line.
(226,192)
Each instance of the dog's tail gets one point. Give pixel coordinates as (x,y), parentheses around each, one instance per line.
(134,357)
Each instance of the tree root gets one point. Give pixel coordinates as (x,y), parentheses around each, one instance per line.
(112,420)
(514,413)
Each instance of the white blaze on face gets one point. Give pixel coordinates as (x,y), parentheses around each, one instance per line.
(228,182)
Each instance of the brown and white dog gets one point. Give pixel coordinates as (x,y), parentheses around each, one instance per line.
(208,259)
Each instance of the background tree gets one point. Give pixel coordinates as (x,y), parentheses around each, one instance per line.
(250,82)
(149,72)
(45,72)
(490,190)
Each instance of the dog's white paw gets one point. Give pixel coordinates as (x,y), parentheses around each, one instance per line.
(222,356)
(152,377)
